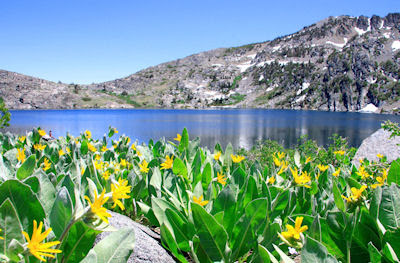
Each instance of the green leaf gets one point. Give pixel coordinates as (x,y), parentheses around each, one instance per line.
(26,168)
(374,255)
(206,176)
(314,251)
(212,235)
(284,257)
(116,247)
(61,213)
(168,240)
(47,193)
(265,255)
(393,238)
(245,229)
(25,203)
(389,253)
(10,225)
(389,208)
(394,173)
(179,168)
(182,231)
(79,241)
(338,197)
(184,143)
(226,202)
(84,147)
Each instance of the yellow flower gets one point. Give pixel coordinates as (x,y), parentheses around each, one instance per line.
(271,180)
(106,175)
(91,147)
(168,163)
(123,163)
(308,159)
(138,153)
(221,178)
(237,158)
(277,162)
(68,150)
(120,190)
(284,166)
(128,140)
(280,155)
(363,173)
(97,157)
(1,237)
(41,132)
(61,152)
(46,164)
(178,137)
(356,194)
(302,179)
(88,134)
(115,130)
(22,138)
(115,146)
(217,156)
(104,148)
(133,147)
(199,200)
(82,171)
(323,168)
(361,160)
(39,147)
(143,167)
(21,155)
(337,172)
(341,152)
(380,156)
(36,245)
(294,232)
(381,179)
(97,206)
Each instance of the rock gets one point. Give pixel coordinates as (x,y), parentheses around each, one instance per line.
(147,243)
(378,142)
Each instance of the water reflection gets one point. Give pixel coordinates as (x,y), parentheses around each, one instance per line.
(240,127)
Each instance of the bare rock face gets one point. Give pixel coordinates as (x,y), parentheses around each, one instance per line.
(147,243)
(378,143)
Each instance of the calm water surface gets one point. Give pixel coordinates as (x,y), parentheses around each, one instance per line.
(240,127)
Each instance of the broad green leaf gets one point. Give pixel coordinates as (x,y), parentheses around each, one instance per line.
(84,147)
(61,212)
(116,247)
(389,208)
(245,229)
(206,176)
(25,203)
(394,173)
(393,238)
(315,229)
(159,206)
(47,193)
(212,235)
(265,255)
(179,168)
(90,258)
(156,181)
(5,173)
(168,240)
(374,255)
(284,257)
(314,251)
(226,202)
(181,229)
(184,143)
(69,184)
(389,253)
(10,225)
(279,204)
(26,168)
(33,182)
(79,241)
(200,255)
(338,197)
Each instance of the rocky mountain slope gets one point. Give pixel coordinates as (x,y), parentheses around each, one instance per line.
(338,64)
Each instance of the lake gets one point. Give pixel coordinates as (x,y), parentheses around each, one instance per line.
(241,127)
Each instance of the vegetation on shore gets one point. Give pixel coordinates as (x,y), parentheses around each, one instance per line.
(265,205)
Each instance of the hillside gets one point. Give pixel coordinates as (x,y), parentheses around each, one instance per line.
(338,64)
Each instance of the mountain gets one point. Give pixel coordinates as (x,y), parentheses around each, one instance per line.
(339,64)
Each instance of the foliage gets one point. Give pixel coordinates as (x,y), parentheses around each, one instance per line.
(213,205)
(5,114)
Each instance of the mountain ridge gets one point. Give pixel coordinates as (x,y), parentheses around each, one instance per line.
(339,64)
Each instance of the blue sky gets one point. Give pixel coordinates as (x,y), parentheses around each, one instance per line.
(85,41)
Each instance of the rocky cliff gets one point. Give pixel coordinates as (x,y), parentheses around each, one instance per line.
(338,64)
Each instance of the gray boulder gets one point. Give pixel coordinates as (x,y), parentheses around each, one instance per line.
(378,142)
(147,243)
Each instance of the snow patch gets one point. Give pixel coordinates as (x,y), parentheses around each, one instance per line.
(244,78)
(276,48)
(370,108)
(269,89)
(303,87)
(337,44)
(261,78)
(359,31)
(387,34)
(252,56)
(243,67)
(261,64)
(301,98)
(382,23)
(216,65)
(396,45)
(371,80)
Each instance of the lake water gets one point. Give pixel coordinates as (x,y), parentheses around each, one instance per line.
(241,127)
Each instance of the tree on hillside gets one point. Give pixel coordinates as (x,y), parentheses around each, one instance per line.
(5,114)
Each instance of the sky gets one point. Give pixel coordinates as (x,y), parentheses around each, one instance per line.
(86,41)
